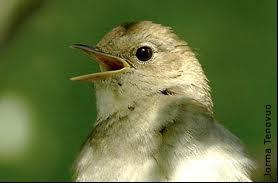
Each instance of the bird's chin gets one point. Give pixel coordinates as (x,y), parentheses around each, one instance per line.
(109,65)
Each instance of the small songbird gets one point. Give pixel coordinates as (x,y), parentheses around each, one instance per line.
(155,117)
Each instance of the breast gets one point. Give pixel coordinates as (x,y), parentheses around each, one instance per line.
(120,149)
(106,166)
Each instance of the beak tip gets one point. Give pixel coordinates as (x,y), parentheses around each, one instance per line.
(83,47)
(76,46)
(72,46)
(73,79)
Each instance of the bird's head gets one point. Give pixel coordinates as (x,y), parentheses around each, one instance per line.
(143,59)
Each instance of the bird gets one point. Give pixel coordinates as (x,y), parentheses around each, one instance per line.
(154,113)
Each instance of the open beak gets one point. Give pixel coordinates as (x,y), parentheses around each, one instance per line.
(109,64)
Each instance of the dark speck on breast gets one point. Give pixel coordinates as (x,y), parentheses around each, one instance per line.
(131,108)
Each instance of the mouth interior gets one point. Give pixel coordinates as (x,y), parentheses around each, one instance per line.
(109,63)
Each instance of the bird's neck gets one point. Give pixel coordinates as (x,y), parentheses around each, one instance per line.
(109,103)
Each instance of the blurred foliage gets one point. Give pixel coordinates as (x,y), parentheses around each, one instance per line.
(13,14)
(235,41)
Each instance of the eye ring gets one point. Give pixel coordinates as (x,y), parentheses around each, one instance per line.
(144,53)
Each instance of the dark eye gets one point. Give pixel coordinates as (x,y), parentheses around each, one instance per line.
(144,53)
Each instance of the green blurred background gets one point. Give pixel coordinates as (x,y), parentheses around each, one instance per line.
(45,117)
